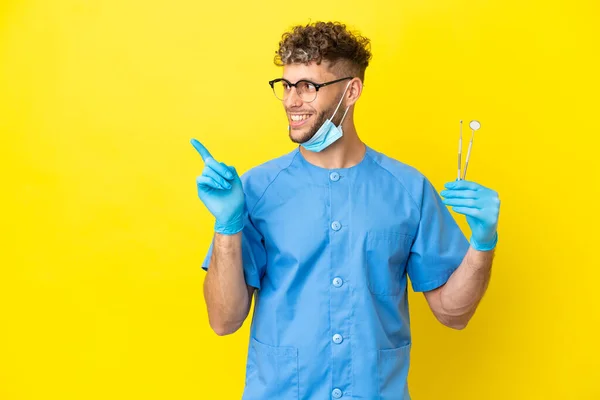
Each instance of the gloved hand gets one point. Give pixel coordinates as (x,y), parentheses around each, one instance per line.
(481,207)
(220,189)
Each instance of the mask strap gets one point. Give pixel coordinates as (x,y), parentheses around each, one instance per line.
(344,116)
(340,103)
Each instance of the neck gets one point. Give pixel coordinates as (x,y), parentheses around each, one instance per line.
(345,152)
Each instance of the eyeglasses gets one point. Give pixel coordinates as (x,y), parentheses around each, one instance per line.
(306,90)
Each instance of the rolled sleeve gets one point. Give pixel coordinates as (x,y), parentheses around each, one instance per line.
(439,245)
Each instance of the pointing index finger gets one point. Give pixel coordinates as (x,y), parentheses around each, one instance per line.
(204,153)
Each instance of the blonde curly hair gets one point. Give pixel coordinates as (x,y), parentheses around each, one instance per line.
(348,53)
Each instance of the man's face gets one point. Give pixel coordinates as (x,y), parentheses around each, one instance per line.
(305,119)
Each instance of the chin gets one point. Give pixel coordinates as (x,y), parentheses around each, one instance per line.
(300,137)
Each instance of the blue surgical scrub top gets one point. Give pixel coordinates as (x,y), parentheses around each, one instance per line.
(329,251)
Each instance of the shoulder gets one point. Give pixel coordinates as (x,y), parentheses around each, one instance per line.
(257,180)
(398,169)
(409,177)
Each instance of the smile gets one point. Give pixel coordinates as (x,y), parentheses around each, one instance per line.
(299,117)
(298,120)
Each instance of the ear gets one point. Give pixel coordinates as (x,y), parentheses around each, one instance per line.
(354,91)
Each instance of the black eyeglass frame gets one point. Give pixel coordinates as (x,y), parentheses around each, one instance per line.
(316,85)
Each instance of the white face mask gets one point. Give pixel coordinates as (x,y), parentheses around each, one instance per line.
(328,132)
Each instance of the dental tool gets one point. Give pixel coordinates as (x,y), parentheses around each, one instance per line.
(474,125)
(459,151)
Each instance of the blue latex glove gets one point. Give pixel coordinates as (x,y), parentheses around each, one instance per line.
(481,207)
(220,189)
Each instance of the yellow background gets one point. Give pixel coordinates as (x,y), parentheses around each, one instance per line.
(103,234)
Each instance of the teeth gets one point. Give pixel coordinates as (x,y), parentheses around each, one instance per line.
(300,117)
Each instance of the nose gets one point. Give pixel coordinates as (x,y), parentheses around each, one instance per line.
(292,99)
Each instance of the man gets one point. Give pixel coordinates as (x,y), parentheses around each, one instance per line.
(326,236)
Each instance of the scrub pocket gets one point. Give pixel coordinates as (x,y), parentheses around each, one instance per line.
(386,256)
(393,365)
(272,372)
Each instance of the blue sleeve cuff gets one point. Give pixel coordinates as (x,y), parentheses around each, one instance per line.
(433,284)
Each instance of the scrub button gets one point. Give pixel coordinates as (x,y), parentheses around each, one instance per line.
(337,339)
(336,393)
(334,176)
(336,226)
(337,282)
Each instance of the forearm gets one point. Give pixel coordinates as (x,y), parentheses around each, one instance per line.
(225,290)
(465,288)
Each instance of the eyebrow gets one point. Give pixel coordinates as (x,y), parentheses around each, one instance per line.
(302,79)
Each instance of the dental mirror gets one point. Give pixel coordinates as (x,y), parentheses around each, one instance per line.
(475,125)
